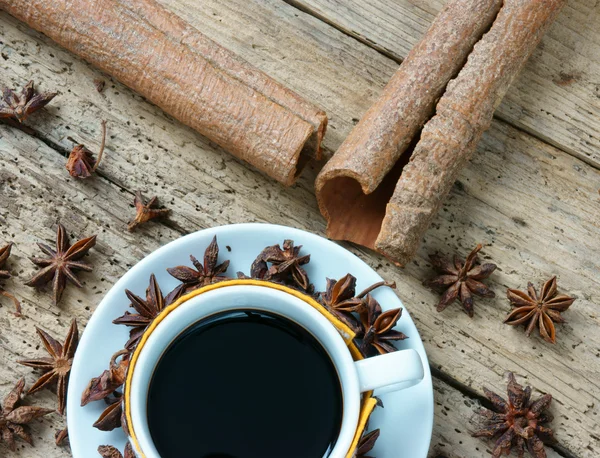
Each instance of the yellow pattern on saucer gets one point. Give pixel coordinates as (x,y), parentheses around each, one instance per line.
(347,334)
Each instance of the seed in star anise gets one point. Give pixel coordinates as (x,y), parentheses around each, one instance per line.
(286,265)
(61,437)
(517,423)
(14,418)
(4,254)
(341,299)
(146,311)
(62,263)
(378,328)
(210,272)
(20,106)
(541,310)
(461,279)
(57,367)
(145,211)
(81,162)
(108,451)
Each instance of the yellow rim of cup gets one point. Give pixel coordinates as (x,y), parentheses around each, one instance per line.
(347,334)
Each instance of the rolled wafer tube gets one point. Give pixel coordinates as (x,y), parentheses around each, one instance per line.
(463,113)
(189,76)
(355,185)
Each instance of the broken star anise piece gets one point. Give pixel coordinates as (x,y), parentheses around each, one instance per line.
(210,272)
(61,437)
(60,265)
(57,367)
(378,327)
(108,451)
(461,279)
(81,162)
(541,310)
(20,106)
(14,418)
(4,254)
(145,211)
(366,443)
(286,265)
(517,423)
(341,299)
(109,381)
(146,310)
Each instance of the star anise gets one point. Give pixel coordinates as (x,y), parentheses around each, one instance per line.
(205,274)
(4,254)
(20,106)
(378,327)
(146,310)
(285,265)
(542,310)
(108,451)
(366,443)
(461,279)
(341,299)
(13,419)
(110,418)
(517,423)
(57,367)
(145,211)
(81,162)
(62,262)
(109,381)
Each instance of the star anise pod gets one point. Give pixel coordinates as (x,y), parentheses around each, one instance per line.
(20,106)
(542,310)
(4,254)
(147,310)
(109,381)
(81,162)
(57,367)
(62,263)
(286,265)
(461,279)
(378,327)
(341,299)
(108,451)
(110,418)
(366,443)
(14,418)
(145,211)
(210,272)
(517,423)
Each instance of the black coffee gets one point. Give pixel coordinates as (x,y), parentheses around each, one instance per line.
(245,384)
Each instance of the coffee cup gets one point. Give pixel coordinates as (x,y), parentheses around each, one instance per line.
(383,373)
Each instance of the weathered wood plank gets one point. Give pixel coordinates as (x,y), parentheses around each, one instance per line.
(148,150)
(556,97)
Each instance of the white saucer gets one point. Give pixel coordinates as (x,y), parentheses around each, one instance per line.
(406,421)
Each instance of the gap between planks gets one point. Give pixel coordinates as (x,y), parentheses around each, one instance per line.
(398,59)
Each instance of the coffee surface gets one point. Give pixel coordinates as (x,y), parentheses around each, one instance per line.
(245,384)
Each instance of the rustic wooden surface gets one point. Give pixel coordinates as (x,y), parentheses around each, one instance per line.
(531,194)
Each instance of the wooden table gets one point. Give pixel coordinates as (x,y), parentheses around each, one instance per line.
(531,194)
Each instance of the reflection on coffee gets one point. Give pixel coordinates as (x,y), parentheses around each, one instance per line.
(245,384)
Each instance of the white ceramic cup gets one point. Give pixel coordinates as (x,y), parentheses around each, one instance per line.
(390,372)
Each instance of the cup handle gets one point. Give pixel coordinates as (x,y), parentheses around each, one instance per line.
(390,372)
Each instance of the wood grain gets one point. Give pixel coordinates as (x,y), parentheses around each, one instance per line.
(557,96)
(534,206)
